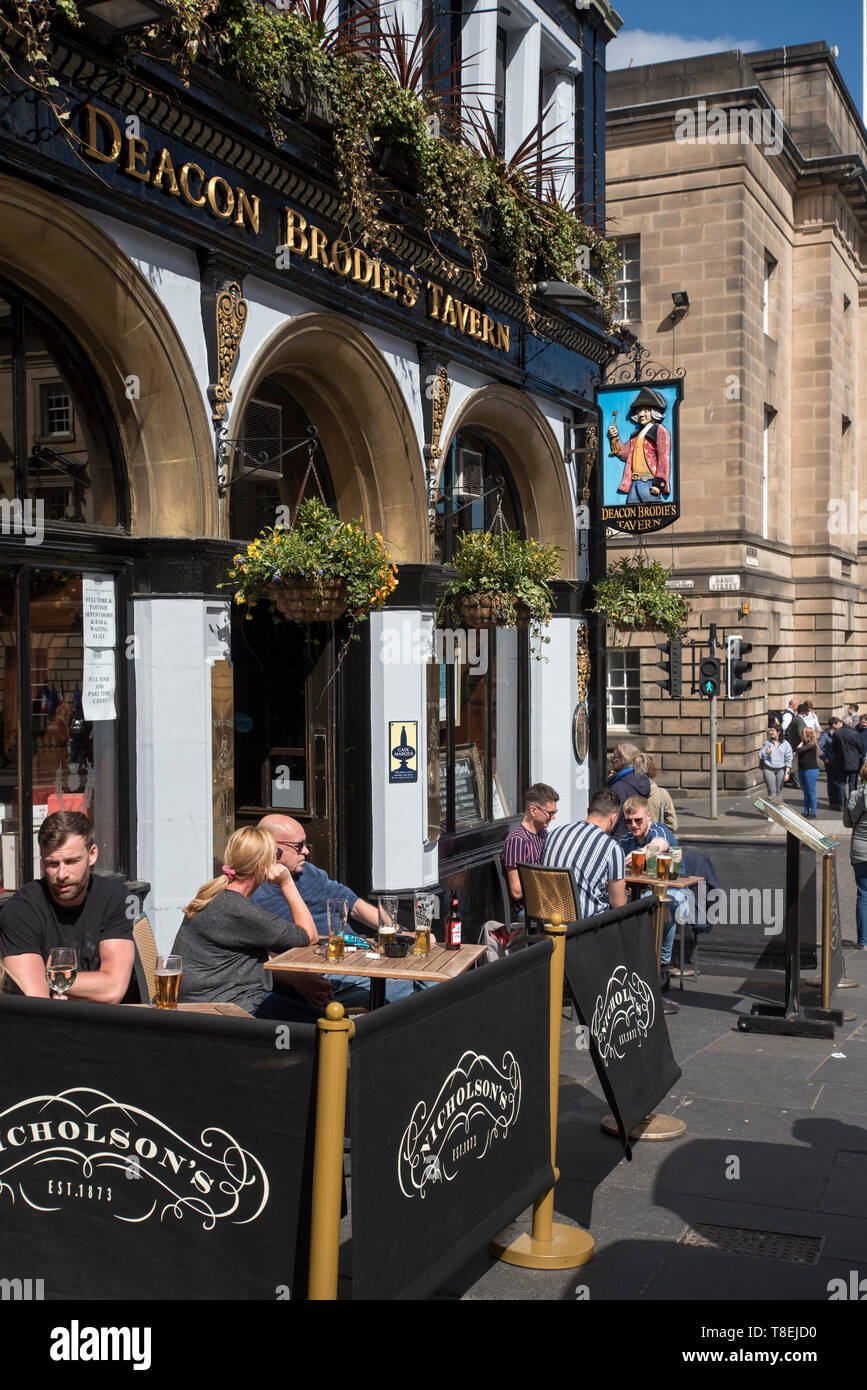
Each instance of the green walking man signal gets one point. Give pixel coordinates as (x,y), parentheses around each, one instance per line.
(709,676)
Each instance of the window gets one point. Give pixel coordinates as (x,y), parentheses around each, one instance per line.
(629,278)
(482,695)
(624,688)
(62,688)
(770,413)
(56,410)
(770,266)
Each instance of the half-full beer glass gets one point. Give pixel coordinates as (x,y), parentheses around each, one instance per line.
(336,909)
(425,904)
(167,977)
(387,912)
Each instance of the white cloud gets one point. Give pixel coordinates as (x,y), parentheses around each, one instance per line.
(639,46)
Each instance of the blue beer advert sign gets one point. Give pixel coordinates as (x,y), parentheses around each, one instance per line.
(639,429)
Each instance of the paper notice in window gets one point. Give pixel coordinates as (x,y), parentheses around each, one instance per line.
(97,695)
(97,593)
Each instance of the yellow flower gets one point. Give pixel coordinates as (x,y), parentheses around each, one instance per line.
(239,598)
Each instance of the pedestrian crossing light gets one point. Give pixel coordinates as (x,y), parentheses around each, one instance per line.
(709,676)
(737,668)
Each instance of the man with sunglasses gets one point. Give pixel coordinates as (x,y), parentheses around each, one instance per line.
(316,888)
(525,844)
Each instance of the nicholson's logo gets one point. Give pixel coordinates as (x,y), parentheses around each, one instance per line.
(623,1016)
(477,1104)
(81,1146)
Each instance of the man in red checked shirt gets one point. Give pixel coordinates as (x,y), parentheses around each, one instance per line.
(524,844)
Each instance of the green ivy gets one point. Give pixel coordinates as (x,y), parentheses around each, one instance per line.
(262,50)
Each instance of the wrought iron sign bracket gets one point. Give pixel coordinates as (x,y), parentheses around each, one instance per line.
(227,448)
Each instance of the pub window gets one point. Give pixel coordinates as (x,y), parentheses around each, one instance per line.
(62,688)
(629,278)
(624,688)
(482,706)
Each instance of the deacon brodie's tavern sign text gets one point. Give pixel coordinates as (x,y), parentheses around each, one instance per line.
(296,234)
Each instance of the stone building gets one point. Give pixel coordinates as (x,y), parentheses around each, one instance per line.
(740,179)
(186,317)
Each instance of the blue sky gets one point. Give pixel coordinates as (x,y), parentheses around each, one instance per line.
(655,30)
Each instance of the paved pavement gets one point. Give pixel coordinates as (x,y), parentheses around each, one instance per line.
(776,1142)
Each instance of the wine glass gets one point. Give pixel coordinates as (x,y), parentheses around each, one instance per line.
(61,970)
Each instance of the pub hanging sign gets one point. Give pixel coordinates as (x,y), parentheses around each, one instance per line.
(640,487)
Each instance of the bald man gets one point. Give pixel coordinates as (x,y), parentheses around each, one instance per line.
(316,888)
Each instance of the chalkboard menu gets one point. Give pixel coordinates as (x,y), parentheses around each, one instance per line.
(469,794)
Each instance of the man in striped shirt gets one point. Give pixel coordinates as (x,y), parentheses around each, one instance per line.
(524,844)
(596,860)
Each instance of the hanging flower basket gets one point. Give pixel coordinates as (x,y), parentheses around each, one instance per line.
(634,597)
(486,610)
(318,570)
(502,581)
(302,602)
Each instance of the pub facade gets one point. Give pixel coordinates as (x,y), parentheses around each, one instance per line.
(191,341)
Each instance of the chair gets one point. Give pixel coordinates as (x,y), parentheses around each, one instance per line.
(549,891)
(145,959)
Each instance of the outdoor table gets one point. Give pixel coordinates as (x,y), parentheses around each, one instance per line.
(230,1010)
(659,886)
(438,965)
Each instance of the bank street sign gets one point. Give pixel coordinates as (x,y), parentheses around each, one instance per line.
(639,430)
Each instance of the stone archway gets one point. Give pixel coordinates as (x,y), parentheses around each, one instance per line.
(350,394)
(72,267)
(512,421)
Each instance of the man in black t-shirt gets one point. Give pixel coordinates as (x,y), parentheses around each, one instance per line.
(68,906)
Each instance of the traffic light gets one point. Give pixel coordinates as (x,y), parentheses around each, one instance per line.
(709,676)
(672,665)
(736,667)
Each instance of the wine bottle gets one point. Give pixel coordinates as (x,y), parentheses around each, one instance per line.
(453,927)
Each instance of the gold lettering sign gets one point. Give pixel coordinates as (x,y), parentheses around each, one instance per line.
(298,236)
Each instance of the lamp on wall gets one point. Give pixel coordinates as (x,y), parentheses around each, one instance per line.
(113,17)
(681,305)
(562,292)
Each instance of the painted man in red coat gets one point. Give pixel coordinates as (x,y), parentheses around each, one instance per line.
(647,454)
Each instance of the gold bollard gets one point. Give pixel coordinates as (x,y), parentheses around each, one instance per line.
(549,1244)
(335,1033)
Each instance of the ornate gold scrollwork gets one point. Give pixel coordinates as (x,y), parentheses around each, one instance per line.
(441,389)
(231,322)
(583,655)
(589,460)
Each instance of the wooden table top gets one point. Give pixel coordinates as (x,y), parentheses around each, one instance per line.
(684,881)
(230,1010)
(439,965)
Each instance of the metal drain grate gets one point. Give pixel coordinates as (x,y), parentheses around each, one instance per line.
(763,1245)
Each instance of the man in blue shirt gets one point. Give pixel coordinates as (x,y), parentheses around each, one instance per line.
(315,887)
(647,834)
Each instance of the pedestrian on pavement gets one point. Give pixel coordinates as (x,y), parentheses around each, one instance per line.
(627,777)
(851,716)
(810,717)
(661,805)
(775,760)
(808,770)
(792,734)
(846,761)
(855,816)
(861,731)
(826,741)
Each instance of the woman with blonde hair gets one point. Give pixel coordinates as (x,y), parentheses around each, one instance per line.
(661,805)
(808,769)
(225,940)
(627,777)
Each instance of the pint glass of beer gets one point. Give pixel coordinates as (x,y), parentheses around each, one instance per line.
(425,904)
(387,912)
(676,862)
(337,913)
(638,861)
(663,865)
(168,981)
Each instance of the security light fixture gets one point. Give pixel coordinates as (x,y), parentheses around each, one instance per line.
(112,17)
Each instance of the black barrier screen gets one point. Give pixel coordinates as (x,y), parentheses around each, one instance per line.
(836,929)
(611,970)
(151,1155)
(450,1123)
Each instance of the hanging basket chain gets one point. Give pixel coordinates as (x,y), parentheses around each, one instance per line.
(311,468)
